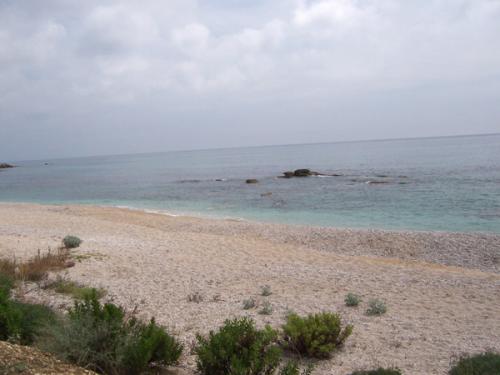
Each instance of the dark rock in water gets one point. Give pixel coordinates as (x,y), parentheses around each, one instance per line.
(268,194)
(251,181)
(302,173)
(45,163)
(5,165)
(220,179)
(305,173)
(381,175)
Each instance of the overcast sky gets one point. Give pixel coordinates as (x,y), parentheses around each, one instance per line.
(105,77)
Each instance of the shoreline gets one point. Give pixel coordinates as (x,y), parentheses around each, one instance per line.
(441,289)
(215,217)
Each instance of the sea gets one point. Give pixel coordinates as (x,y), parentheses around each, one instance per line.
(437,184)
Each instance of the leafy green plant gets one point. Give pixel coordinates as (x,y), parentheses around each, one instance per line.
(238,348)
(376,307)
(267,308)
(71,242)
(379,371)
(316,335)
(352,299)
(101,338)
(479,364)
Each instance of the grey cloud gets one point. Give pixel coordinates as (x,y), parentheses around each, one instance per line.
(238,73)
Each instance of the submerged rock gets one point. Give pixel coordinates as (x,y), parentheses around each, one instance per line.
(252,181)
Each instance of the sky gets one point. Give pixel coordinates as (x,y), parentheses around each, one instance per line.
(101,77)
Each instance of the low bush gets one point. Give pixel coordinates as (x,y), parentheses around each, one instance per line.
(21,322)
(379,371)
(238,348)
(101,338)
(376,307)
(352,300)
(480,364)
(71,242)
(316,335)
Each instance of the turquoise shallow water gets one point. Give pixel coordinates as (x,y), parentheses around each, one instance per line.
(432,184)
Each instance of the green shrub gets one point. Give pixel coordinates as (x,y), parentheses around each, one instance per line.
(71,242)
(379,371)
(316,335)
(21,322)
(376,307)
(101,338)
(238,348)
(480,364)
(352,299)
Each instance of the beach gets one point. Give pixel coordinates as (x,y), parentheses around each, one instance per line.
(442,289)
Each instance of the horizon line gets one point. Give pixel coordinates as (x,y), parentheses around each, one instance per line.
(265,145)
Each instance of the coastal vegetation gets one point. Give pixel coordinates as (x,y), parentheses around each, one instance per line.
(376,307)
(316,335)
(238,347)
(35,269)
(71,242)
(480,364)
(352,300)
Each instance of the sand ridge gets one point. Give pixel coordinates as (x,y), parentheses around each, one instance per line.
(442,289)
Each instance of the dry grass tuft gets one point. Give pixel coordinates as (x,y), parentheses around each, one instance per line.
(35,269)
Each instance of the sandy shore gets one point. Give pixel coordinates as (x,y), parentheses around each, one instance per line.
(442,289)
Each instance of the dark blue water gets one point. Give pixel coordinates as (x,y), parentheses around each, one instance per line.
(431,184)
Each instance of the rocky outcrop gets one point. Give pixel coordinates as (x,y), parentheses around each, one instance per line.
(305,173)
(5,165)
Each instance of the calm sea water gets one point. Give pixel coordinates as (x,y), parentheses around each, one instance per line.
(432,184)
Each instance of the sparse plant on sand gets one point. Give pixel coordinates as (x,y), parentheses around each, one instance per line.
(71,242)
(376,307)
(316,335)
(352,299)
(238,347)
(35,269)
(265,290)
(249,304)
(195,297)
(267,308)
(74,289)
